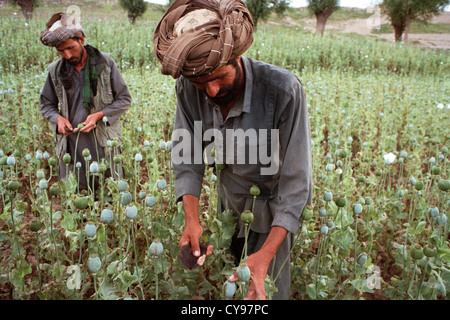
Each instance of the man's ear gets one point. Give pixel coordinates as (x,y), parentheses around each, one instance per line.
(81,40)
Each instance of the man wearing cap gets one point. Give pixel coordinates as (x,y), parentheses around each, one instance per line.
(200,43)
(83,87)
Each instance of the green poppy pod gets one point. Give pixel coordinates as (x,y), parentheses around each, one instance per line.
(436,170)
(107,215)
(13,185)
(94,263)
(131,211)
(90,230)
(419,185)
(357,208)
(11,161)
(156,248)
(122,185)
(247,216)
(52,161)
(307,213)
(243,272)
(150,200)
(67,158)
(43,184)
(126,198)
(340,200)
(86,153)
(429,250)
(93,168)
(323,230)
(254,190)
(416,252)
(81,203)
(161,183)
(229,288)
(328,196)
(322,212)
(35,225)
(444,185)
(3,160)
(40,174)
(362,259)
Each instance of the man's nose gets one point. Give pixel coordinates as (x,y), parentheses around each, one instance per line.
(67,55)
(212,89)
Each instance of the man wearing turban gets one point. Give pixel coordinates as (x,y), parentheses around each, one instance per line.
(83,98)
(201,44)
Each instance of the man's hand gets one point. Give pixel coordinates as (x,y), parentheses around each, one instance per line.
(90,122)
(258,265)
(192,229)
(259,262)
(64,126)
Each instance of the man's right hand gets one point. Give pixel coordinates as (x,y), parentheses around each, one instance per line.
(64,126)
(192,229)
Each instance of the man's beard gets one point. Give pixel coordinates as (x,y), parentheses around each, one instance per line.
(231,91)
(75,62)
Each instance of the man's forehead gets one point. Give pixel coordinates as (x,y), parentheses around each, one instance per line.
(66,44)
(219,73)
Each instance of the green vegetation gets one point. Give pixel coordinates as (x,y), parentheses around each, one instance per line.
(377,227)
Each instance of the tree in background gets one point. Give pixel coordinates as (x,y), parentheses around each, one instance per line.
(27,7)
(261,9)
(322,9)
(135,8)
(402,12)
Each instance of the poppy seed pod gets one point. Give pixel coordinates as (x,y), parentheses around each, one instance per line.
(94,263)
(67,158)
(81,203)
(150,201)
(90,229)
(254,190)
(229,288)
(131,211)
(307,213)
(429,250)
(43,184)
(86,153)
(416,252)
(340,200)
(126,198)
(93,168)
(161,183)
(328,196)
(122,185)
(247,216)
(243,272)
(323,230)
(156,248)
(107,215)
(362,259)
(444,185)
(357,208)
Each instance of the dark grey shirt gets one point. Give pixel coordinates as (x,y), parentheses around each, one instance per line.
(272,109)
(78,114)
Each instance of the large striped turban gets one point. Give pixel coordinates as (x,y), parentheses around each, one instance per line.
(60,28)
(196,37)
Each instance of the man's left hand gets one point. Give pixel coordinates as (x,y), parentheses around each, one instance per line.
(258,265)
(90,122)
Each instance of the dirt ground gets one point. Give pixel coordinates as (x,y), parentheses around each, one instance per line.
(364,26)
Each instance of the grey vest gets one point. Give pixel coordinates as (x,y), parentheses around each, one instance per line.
(104,97)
